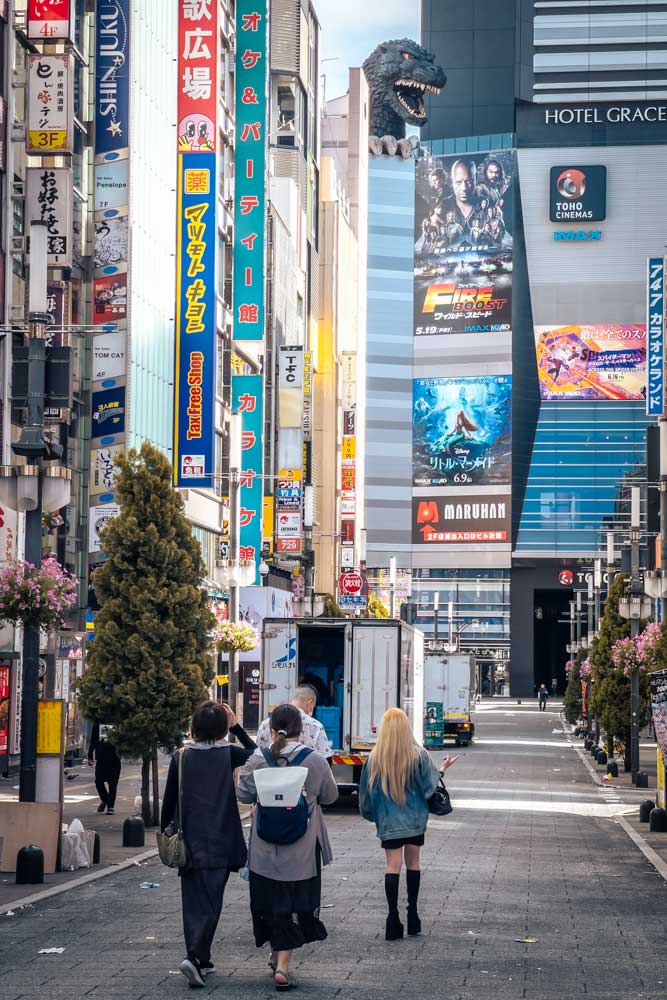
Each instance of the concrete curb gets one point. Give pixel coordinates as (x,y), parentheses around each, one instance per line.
(76,883)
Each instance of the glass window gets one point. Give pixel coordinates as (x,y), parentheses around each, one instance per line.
(287,112)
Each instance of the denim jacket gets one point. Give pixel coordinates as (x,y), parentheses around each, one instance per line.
(394,822)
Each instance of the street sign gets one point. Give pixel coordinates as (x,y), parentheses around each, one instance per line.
(350,584)
(352,601)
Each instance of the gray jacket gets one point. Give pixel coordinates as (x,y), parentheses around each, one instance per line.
(292,862)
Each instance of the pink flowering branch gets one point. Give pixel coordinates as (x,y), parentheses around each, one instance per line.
(36,595)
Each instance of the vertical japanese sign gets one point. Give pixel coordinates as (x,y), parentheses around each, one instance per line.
(250,167)
(194,403)
(50,107)
(49,200)
(655,332)
(247,400)
(48,19)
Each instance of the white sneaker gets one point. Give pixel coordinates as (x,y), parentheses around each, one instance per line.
(190,970)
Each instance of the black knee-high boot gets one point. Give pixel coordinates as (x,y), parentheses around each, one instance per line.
(413,880)
(394,927)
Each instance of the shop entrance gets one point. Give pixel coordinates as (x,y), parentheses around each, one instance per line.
(551,631)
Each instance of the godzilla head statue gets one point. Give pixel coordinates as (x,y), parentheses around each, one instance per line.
(399,74)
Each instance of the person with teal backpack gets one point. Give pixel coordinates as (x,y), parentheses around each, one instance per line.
(289,843)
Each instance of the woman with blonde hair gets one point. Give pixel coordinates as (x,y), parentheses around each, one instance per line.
(396,783)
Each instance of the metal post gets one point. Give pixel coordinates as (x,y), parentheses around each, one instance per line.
(234,544)
(597,589)
(32,445)
(573,651)
(450,621)
(578,621)
(436,605)
(309,567)
(635,595)
(392,586)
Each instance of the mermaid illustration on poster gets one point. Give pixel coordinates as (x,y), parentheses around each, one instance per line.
(462,429)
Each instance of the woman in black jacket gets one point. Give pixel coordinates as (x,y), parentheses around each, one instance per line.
(211,827)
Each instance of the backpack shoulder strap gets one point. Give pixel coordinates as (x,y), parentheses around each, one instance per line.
(300,757)
(269,758)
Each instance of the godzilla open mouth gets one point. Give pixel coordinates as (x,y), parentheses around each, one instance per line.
(410,95)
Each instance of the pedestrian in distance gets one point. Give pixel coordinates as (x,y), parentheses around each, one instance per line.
(107,768)
(313,733)
(542,695)
(285,878)
(211,827)
(396,783)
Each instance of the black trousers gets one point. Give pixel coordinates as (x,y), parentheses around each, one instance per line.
(106,783)
(543,705)
(202,891)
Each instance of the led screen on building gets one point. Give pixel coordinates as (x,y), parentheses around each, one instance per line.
(591,362)
(462,430)
(463,244)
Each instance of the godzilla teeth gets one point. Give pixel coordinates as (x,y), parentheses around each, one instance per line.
(424,87)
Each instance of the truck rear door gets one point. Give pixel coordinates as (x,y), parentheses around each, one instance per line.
(374,681)
(280,659)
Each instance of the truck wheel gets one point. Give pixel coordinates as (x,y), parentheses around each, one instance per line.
(462,743)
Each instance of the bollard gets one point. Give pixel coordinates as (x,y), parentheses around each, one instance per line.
(645,810)
(642,779)
(133,832)
(612,769)
(594,749)
(658,820)
(30,866)
(577,731)
(96,849)
(588,743)
(602,758)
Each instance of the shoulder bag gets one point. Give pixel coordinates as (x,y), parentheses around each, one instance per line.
(440,803)
(171,844)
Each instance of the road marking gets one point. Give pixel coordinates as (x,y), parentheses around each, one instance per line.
(599,810)
(524,743)
(646,850)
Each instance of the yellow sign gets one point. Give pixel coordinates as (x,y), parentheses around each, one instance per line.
(267,522)
(49,727)
(48,141)
(292,474)
(661,798)
(222,679)
(349,449)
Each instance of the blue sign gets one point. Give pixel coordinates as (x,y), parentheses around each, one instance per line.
(108,412)
(112,76)
(578,235)
(248,401)
(250,168)
(655,336)
(194,402)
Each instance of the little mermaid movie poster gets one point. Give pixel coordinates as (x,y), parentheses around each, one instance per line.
(462,431)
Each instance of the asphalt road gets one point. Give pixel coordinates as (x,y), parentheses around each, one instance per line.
(530,890)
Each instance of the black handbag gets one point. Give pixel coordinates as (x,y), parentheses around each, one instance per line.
(440,803)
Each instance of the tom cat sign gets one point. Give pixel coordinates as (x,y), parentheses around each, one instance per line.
(578,194)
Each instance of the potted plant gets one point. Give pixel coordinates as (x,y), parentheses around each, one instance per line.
(231,637)
(36,595)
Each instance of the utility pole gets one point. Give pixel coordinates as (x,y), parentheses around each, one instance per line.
(33,447)
(663,511)
(589,641)
(636,592)
(392,586)
(308,518)
(450,620)
(436,605)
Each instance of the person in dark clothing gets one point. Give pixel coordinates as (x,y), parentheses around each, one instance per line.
(542,695)
(107,769)
(211,827)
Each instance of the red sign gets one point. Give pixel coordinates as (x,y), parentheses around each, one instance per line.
(197,75)
(347,531)
(348,478)
(288,545)
(48,19)
(350,584)
(4,709)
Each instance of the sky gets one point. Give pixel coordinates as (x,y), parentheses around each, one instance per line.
(352,28)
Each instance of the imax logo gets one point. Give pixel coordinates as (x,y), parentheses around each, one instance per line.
(581,236)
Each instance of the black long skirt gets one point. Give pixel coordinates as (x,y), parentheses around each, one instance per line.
(287,914)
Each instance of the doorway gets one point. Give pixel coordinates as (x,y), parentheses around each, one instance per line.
(551,631)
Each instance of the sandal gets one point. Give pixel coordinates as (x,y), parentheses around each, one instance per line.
(273,963)
(289,982)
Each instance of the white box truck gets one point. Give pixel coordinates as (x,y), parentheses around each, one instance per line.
(360,668)
(449,695)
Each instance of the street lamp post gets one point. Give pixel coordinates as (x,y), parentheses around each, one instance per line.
(436,605)
(392,586)
(234,544)
(635,594)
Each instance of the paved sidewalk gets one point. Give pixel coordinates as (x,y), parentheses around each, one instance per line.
(531,852)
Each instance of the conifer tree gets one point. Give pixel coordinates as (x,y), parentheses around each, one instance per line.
(149,664)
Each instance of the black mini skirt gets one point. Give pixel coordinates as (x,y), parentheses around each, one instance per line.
(393,845)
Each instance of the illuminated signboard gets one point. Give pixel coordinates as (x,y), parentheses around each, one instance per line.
(591,362)
(194,403)
(50,107)
(48,19)
(655,322)
(247,400)
(250,166)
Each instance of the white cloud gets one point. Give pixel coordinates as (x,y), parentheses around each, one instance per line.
(352,28)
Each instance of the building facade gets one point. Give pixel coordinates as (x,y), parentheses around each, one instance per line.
(535,210)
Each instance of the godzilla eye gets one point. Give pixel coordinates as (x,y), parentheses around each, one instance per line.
(405,55)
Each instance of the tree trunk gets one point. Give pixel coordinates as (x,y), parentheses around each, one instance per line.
(610,747)
(627,760)
(156,790)
(145,797)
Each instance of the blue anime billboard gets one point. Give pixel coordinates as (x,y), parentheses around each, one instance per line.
(462,431)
